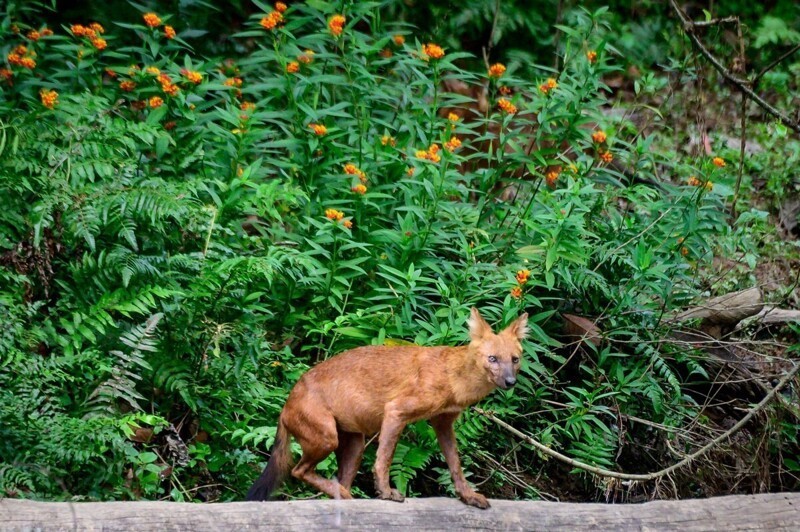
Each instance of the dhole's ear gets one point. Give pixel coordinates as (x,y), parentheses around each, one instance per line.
(519,328)
(478,328)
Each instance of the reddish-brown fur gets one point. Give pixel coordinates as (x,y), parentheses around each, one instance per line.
(381,389)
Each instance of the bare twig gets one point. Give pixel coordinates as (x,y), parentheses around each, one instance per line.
(666,471)
(741,84)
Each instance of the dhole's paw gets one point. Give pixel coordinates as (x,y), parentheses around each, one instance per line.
(391,495)
(475,499)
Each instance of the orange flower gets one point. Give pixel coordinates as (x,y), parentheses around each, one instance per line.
(271,21)
(192,75)
(399,40)
(516,292)
(33,35)
(152,20)
(386,53)
(155,102)
(49,98)
(153,71)
(453,117)
(97,27)
(387,140)
(28,62)
(684,251)
(522,276)
(552,177)
(497,70)
(433,51)
(111,73)
(719,162)
(548,85)
(171,89)
(410,171)
(348,224)
(432,154)
(6,74)
(693,182)
(79,30)
(99,43)
(306,57)
(606,157)
(280,7)
(46,32)
(506,106)
(505,91)
(169,32)
(333,214)
(293,67)
(359,189)
(318,129)
(336,24)
(233,82)
(247,106)
(599,136)
(709,185)
(127,86)
(452,144)
(591,55)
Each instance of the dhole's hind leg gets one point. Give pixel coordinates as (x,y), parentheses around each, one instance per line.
(316,433)
(348,456)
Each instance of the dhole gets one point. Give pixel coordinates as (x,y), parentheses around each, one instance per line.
(369,389)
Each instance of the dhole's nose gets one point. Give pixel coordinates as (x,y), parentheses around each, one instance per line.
(510,381)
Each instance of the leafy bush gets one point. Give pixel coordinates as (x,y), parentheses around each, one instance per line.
(183,236)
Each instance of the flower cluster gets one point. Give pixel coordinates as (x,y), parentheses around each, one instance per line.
(694,182)
(599,136)
(169,32)
(506,106)
(293,67)
(21,56)
(432,51)
(336,24)
(399,40)
(453,117)
(152,20)
(552,177)
(522,278)
(333,214)
(505,91)
(452,144)
(497,70)
(272,21)
(359,188)
(167,85)
(35,35)
(548,86)
(49,98)
(192,75)
(388,140)
(351,169)
(719,162)
(306,57)
(591,55)
(432,154)
(318,129)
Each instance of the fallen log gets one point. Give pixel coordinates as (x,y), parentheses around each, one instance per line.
(727,309)
(772,511)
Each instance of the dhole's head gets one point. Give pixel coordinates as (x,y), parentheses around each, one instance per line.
(499,354)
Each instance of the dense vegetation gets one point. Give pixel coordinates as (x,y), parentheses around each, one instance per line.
(197,208)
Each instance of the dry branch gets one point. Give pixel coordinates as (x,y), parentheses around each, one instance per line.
(728,309)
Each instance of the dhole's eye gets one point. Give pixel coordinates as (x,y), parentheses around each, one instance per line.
(492,359)
(515,360)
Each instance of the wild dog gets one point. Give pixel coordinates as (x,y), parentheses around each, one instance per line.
(366,390)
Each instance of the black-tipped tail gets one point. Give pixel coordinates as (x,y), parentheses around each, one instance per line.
(276,470)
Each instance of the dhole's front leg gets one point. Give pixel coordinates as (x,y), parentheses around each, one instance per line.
(443,425)
(391,428)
